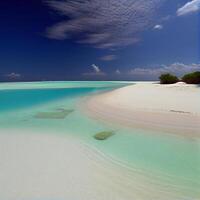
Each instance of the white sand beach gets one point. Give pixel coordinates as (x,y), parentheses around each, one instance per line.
(46,166)
(170,108)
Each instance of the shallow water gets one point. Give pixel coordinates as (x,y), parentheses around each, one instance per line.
(172,160)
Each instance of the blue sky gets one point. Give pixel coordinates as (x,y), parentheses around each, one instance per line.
(98,39)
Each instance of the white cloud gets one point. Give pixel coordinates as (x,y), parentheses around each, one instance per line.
(158,27)
(118,71)
(96,71)
(190,7)
(142,73)
(108,58)
(176,68)
(96,68)
(166,18)
(103,23)
(13,75)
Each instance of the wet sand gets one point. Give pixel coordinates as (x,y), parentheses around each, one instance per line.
(45,166)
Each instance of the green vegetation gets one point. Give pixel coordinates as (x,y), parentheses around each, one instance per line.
(168,79)
(104,135)
(61,114)
(192,78)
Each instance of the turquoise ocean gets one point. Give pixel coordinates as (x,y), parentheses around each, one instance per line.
(172,159)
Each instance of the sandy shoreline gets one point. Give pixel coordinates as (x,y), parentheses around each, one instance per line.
(168,108)
(43,166)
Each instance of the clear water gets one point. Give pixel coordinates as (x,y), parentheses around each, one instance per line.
(171,159)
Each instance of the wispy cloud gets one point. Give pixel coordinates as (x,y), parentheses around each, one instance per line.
(13,75)
(103,23)
(118,72)
(108,57)
(166,18)
(158,27)
(96,68)
(96,71)
(146,73)
(190,7)
(176,68)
